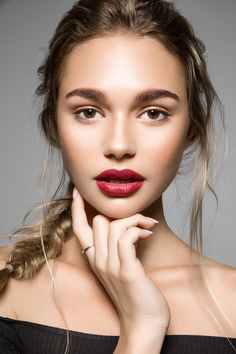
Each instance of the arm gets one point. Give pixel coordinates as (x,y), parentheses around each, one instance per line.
(140,342)
(143,311)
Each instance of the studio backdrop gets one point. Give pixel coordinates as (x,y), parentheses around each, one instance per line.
(25,29)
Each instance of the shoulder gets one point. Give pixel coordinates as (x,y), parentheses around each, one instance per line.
(222,275)
(188,298)
(224,279)
(222,282)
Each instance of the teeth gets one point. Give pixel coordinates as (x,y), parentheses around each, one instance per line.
(119,181)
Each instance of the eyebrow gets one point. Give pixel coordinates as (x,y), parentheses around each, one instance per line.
(142,97)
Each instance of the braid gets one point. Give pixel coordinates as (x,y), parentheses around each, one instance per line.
(26,257)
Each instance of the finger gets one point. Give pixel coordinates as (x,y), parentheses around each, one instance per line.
(119,226)
(117,229)
(130,265)
(126,244)
(100,235)
(113,260)
(81,227)
(134,220)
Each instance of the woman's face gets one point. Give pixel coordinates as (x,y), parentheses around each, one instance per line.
(119,132)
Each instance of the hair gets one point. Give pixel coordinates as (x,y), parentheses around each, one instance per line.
(86,20)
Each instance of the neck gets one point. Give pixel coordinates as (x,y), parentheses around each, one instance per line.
(156,252)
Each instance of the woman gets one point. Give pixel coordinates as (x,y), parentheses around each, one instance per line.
(127,98)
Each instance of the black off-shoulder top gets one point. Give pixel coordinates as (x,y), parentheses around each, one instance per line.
(23,337)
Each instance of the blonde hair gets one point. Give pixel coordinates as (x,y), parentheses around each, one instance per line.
(86,20)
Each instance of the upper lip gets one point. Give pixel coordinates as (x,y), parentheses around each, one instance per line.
(120,174)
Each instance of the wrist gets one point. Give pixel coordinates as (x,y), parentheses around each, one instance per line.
(140,341)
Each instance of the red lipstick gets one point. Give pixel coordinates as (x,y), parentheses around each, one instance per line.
(119,182)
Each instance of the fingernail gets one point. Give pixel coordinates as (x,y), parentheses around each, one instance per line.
(75,193)
(147,232)
(153,220)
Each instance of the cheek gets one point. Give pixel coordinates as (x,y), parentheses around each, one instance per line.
(172,152)
(75,149)
(169,153)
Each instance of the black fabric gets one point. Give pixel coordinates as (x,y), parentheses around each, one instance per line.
(22,337)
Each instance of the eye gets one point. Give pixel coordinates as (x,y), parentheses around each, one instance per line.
(154,113)
(86,114)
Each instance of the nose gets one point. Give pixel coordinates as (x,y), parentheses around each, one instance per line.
(119,140)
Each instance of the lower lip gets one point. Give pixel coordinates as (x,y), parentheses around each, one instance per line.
(119,189)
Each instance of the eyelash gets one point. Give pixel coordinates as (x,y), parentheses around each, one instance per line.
(91,120)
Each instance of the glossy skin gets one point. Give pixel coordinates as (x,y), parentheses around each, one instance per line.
(141,306)
(119,137)
(122,134)
(123,66)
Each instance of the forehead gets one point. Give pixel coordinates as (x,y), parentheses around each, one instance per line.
(122,61)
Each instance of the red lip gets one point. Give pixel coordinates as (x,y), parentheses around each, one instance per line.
(120,174)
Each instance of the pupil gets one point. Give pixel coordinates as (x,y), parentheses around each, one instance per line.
(88,113)
(153,113)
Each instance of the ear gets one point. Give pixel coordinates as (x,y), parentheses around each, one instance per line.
(191,135)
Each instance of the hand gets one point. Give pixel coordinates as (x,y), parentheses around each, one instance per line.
(140,304)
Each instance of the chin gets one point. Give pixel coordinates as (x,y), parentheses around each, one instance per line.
(111,211)
(122,207)
(118,214)
(121,211)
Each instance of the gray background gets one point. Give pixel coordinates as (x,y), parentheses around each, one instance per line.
(25,27)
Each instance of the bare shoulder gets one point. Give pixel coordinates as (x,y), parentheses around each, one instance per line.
(187,300)
(222,280)
(221,274)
